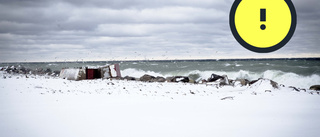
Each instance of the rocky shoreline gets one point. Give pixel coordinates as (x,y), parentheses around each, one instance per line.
(23,70)
(215,79)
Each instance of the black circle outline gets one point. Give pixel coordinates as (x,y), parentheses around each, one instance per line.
(262,50)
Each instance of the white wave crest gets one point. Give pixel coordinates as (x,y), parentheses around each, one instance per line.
(138,73)
(285,78)
(292,79)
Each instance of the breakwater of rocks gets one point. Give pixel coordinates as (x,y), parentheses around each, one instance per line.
(215,79)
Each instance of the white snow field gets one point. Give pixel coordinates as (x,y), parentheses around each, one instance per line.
(40,106)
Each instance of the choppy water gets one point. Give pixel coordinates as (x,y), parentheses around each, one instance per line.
(295,72)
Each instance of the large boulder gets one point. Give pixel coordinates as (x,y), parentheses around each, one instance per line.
(272,83)
(169,79)
(180,79)
(48,71)
(252,82)
(243,82)
(11,69)
(159,79)
(224,80)
(38,71)
(56,72)
(22,70)
(130,78)
(214,77)
(263,85)
(315,87)
(147,78)
(194,78)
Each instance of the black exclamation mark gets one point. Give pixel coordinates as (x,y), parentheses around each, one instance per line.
(263,18)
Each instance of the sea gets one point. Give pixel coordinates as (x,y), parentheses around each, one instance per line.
(299,72)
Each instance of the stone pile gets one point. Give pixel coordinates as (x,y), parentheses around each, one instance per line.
(214,79)
(22,70)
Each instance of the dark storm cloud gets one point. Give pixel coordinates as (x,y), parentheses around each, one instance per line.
(35,30)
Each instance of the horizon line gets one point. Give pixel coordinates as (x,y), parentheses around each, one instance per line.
(230,59)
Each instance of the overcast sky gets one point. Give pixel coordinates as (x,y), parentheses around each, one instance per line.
(58,30)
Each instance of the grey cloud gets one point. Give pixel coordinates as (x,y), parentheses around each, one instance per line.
(135,29)
(141,4)
(26,3)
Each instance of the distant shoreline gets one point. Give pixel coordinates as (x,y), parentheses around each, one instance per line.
(176,60)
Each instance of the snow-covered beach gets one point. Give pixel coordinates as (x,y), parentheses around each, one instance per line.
(37,106)
(164,68)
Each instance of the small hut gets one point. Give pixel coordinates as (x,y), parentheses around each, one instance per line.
(109,71)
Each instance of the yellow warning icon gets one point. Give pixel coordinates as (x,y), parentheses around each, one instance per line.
(263,25)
